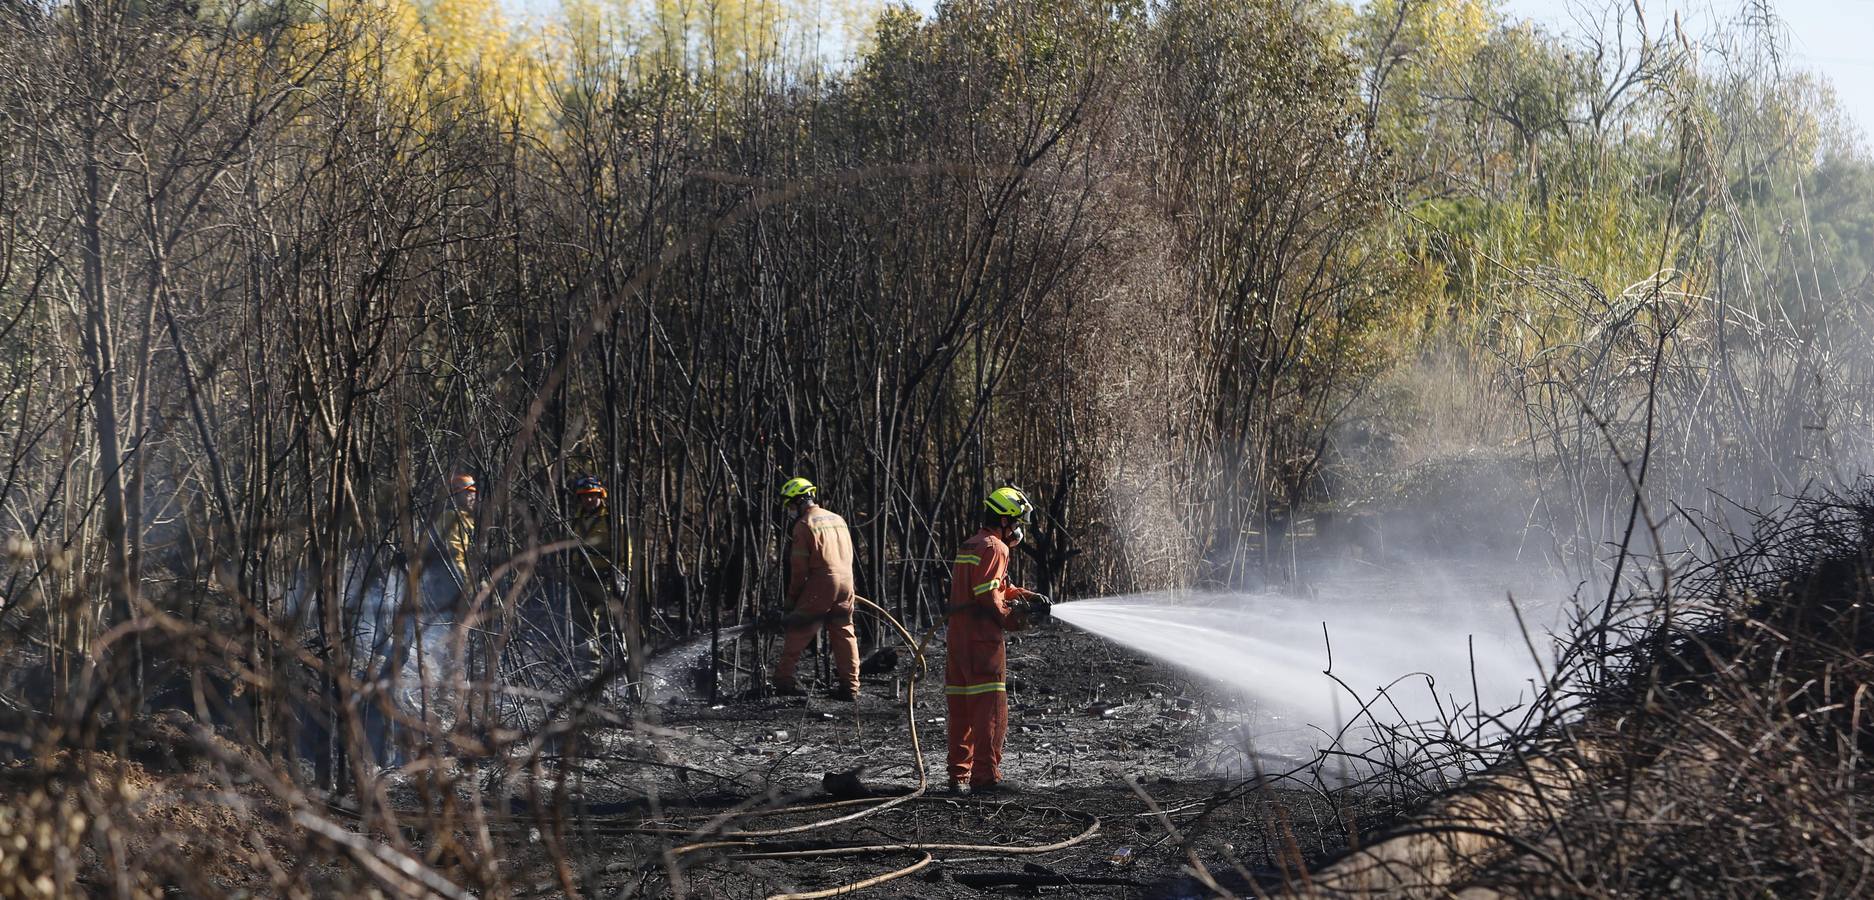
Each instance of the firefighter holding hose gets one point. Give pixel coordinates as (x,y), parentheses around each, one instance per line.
(820,590)
(984,607)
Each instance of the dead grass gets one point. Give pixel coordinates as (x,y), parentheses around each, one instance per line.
(1706,739)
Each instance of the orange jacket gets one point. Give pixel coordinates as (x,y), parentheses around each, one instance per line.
(819,563)
(981,612)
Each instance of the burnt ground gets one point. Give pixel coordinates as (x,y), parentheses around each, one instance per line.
(1085,715)
(1089,720)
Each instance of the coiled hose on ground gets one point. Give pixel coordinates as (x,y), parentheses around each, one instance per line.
(747,848)
(750,849)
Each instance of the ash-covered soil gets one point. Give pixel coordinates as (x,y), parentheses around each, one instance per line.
(1088,720)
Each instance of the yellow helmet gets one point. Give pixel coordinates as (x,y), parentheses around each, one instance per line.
(796,488)
(1009,501)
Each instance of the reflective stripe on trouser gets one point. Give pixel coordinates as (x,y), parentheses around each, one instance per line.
(978,722)
(839,633)
(955,690)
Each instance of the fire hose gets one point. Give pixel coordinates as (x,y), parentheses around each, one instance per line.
(750,849)
(923,783)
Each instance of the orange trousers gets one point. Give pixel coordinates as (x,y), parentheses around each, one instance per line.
(840,634)
(978,723)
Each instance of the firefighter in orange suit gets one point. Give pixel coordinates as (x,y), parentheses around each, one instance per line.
(984,606)
(820,589)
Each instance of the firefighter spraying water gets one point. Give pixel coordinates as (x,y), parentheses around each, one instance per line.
(984,607)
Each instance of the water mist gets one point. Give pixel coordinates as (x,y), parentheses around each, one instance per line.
(1441,647)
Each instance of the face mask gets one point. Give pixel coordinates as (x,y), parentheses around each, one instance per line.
(1017,535)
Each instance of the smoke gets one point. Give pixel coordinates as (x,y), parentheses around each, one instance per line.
(405,646)
(683,671)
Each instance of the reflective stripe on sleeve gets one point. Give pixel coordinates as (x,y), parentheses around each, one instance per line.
(986,587)
(969,558)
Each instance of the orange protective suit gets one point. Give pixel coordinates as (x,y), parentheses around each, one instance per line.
(820,589)
(982,610)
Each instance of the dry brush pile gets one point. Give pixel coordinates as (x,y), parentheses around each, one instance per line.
(1709,738)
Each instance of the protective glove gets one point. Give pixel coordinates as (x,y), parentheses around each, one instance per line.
(1040,607)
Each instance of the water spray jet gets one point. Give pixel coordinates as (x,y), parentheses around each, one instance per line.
(1444,655)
